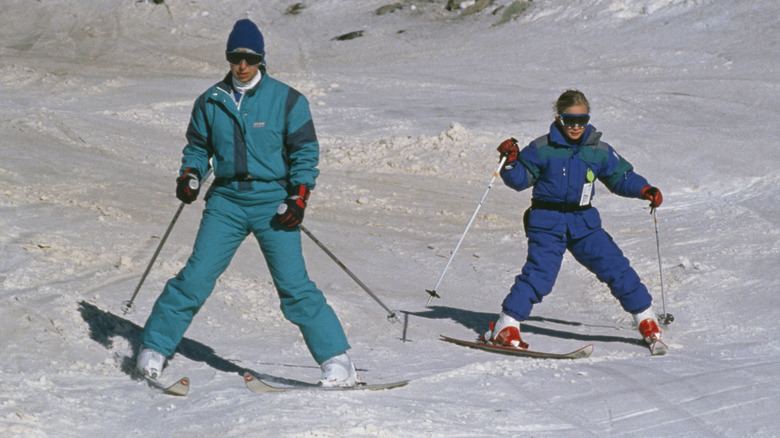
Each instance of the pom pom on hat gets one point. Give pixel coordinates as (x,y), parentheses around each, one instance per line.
(246,35)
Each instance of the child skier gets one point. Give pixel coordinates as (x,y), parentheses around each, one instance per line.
(260,134)
(562,167)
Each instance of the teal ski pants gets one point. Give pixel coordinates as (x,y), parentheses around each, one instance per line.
(225,224)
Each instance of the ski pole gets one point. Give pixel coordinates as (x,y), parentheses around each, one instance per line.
(128,305)
(665,318)
(391,315)
(432,292)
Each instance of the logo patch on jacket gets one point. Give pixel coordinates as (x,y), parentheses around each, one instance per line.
(258,124)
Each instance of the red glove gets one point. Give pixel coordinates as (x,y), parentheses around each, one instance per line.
(653,195)
(188,185)
(290,212)
(509,149)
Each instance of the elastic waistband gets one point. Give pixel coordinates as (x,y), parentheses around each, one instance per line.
(557,206)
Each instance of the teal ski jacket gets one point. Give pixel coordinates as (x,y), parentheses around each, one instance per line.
(259,147)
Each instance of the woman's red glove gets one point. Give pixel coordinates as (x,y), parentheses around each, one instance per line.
(290,212)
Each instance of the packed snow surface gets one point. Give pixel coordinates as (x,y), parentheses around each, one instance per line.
(95,100)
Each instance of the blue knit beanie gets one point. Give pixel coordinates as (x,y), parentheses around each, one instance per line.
(246,35)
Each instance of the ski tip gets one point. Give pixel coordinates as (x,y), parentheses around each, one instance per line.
(581,353)
(180,388)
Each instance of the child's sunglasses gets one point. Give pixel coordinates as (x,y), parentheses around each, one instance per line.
(574,120)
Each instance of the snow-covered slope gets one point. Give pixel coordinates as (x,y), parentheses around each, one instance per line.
(95,99)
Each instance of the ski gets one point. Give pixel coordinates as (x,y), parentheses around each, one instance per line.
(658,348)
(179,388)
(580,353)
(255,384)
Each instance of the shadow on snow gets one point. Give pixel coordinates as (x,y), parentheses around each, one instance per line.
(479,322)
(104,326)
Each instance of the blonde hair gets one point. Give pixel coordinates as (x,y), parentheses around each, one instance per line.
(570,98)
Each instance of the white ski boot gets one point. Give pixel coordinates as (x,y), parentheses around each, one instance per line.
(648,327)
(505,332)
(150,363)
(338,371)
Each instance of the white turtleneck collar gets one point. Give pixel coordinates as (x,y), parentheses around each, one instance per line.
(239,88)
